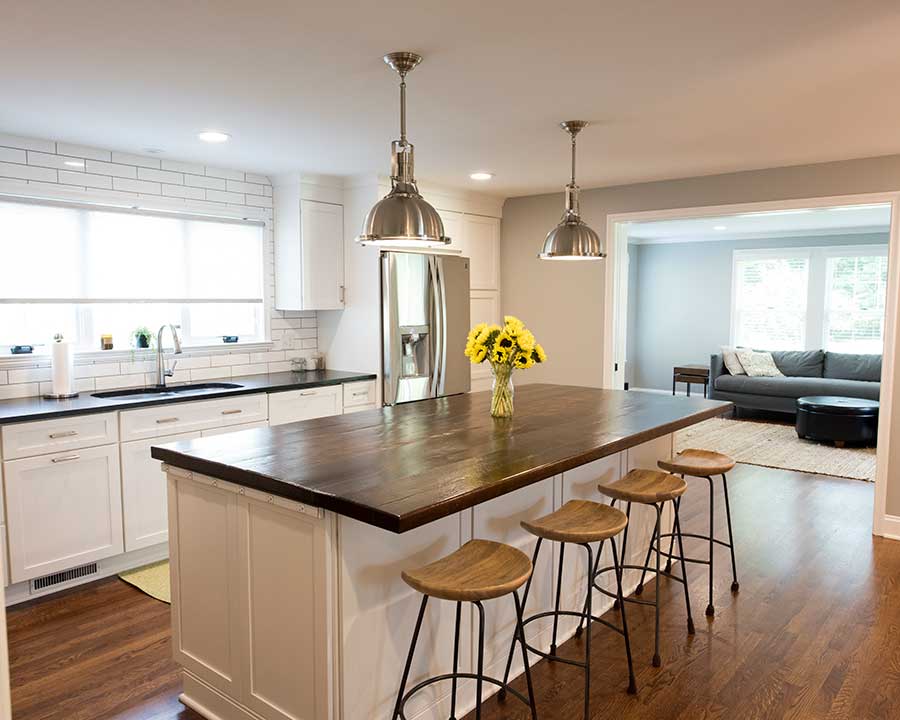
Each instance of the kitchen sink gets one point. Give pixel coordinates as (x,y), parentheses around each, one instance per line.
(168,390)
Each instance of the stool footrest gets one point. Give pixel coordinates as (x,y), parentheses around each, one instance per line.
(460,676)
(677,558)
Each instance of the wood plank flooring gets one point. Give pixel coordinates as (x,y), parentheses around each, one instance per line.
(814,632)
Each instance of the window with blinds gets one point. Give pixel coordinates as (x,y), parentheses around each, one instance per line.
(770,301)
(85,271)
(856,286)
(810,298)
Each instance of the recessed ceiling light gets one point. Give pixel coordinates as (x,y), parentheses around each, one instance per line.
(481,175)
(214,136)
(720,227)
(74,163)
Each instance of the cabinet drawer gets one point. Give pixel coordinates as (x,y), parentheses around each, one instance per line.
(48,436)
(63,510)
(359,408)
(192,416)
(296,405)
(359,393)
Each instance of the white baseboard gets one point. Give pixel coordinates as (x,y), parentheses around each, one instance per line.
(20,592)
(657,391)
(889,527)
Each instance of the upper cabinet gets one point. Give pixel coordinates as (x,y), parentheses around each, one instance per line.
(478,238)
(309,252)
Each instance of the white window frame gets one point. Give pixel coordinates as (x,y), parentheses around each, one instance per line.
(87,199)
(816,287)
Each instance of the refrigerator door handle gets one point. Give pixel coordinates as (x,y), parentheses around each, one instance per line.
(443,320)
(393,342)
(436,326)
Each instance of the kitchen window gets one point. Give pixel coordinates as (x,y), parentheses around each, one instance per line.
(86,271)
(810,298)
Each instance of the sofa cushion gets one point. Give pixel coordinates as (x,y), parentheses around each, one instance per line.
(758,363)
(800,363)
(853,367)
(795,387)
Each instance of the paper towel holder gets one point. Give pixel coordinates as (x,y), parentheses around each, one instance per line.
(52,396)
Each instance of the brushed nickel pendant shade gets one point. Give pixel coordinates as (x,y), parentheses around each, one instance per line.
(403,217)
(572,239)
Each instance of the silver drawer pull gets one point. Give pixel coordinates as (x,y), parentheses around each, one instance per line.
(166,420)
(232,412)
(67,433)
(65,458)
(361,392)
(311,392)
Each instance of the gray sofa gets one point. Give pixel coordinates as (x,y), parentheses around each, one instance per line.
(807,372)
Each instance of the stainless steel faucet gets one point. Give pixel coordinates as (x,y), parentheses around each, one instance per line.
(162,372)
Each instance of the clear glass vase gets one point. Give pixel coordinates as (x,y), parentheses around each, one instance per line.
(502,398)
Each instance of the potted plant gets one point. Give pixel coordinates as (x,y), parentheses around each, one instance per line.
(142,338)
(507,348)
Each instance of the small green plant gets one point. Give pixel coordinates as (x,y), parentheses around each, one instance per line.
(142,338)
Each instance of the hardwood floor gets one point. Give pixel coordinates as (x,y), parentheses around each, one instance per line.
(814,632)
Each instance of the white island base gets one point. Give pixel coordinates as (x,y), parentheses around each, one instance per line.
(284,612)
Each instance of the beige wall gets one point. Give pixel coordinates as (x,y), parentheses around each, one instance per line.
(564,302)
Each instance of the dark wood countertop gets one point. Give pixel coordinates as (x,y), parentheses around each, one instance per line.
(408,465)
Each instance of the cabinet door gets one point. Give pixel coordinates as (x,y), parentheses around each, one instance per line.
(453,228)
(63,510)
(296,405)
(144,492)
(322,239)
(482,240)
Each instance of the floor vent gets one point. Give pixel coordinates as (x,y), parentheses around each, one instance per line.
(60,578)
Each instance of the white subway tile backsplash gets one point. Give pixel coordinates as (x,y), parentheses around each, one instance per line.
(13,155)
(210,373)
(230,359)
(96,370)
(138,186)
(227,174)
(8,392)
(264,357)
(259,201)
(119,381)
(309,344)
(85,179)
(27,172)
(163,176)
(243,187)
(139,160)
(225,197)
(29,375)
(54,161)
(183,167)
(190,363)
(183,191)
(106,168)
(25,143)
(205,182)
(253,369)
(83,152)
(308,322)
(258,179)
(139,366)
(283,366)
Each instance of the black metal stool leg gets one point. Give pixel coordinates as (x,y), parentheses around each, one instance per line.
(591,577)
(687,594)
(455,661)
(653,541)
(520,632)
(710,609)
(656,659)
(512,647)
(624,543)
(735,585)
(559,577)
(409,659)
(587,635)
(632,685)
(480,679)
(671,547)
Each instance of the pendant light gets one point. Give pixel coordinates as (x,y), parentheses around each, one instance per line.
(572,239)
(403,217)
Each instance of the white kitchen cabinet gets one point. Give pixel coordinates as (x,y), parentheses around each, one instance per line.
(359,394)
(156,422)
(482,243)
(63,509)
(484,306)
(309,253)
(68,433)
(295,405)
(144,494)
(453,228)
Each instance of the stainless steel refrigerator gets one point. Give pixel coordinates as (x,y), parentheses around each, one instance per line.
(425,320)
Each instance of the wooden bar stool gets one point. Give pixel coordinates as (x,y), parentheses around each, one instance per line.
(479,570)
(651,487)
(579,522)
(706,464)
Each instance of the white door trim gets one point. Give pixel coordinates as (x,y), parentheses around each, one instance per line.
(882,524)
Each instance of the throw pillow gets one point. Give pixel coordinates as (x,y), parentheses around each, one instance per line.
(759,364)
(732,363)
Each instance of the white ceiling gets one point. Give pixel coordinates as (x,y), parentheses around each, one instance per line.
(779,223)
(675,89)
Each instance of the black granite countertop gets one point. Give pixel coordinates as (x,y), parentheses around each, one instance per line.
(37,408)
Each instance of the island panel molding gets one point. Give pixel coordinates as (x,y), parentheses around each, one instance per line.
(404,466)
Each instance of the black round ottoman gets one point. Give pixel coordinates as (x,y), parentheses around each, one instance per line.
(838,419)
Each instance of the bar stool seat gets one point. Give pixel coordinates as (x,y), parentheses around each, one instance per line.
(646,487)
(479,570)
(698,463)
(579,521)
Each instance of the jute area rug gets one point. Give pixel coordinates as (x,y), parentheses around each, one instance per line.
(777,446)
(151,579)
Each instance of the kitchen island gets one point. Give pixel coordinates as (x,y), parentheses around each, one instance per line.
(287,543)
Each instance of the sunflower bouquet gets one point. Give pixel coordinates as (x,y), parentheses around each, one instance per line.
(507,348)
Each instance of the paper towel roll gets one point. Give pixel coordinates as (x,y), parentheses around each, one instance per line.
(63,367)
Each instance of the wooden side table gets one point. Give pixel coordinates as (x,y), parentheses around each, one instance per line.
(691,375)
